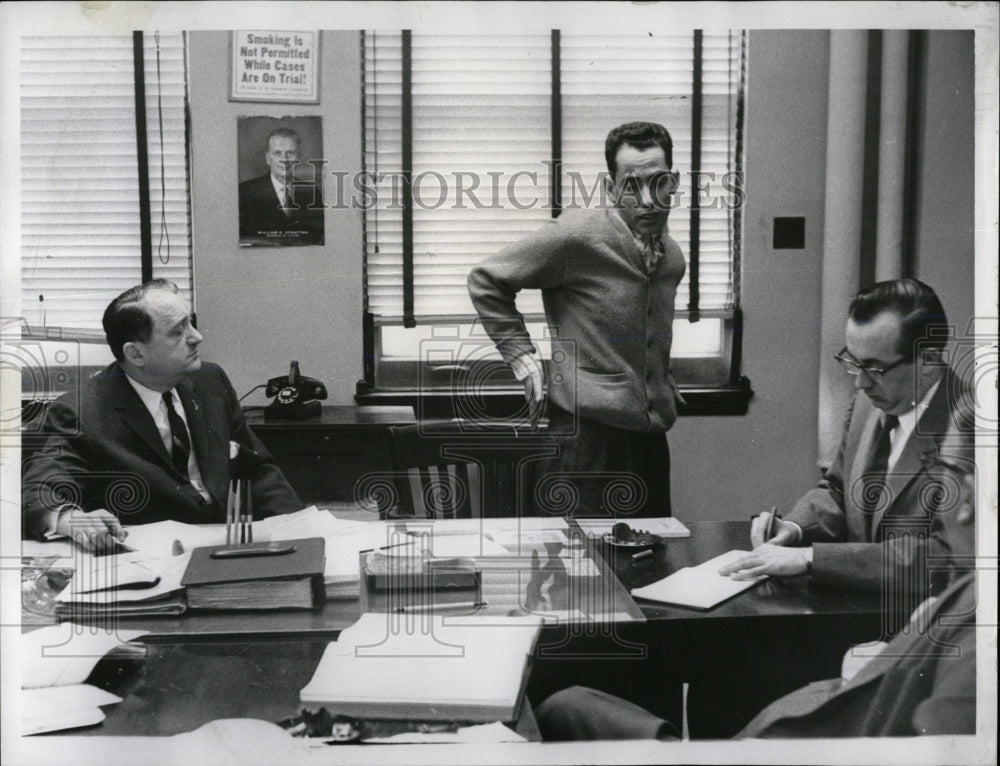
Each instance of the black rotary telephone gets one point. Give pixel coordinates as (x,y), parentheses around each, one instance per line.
(296,396)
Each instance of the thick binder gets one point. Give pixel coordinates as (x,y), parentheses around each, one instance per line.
(286,580)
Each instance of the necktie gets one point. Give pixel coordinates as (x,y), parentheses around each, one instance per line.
(178,436)
(874,478)
(652,251)
(286,201)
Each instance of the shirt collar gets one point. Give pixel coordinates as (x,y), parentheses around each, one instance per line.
(640,238)
(150,398)
(909,418)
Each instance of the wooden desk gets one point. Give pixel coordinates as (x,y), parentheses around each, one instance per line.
(323,457)
(179,687)
(771,639)
(788,602)
(737,657)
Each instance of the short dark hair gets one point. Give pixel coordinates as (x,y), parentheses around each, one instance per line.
(126,318)
(641,135)
(916,304)
(282,133)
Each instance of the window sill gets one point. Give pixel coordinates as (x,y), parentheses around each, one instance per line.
(506,403)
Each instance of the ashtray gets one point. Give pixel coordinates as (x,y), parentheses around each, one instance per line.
(623,536)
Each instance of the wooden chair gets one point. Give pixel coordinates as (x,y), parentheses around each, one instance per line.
(449,470)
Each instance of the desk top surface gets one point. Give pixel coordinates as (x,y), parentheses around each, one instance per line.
(786,598)
(205,666)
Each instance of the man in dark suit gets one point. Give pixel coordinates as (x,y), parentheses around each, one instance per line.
(156,435)
(275,208)
(873,519)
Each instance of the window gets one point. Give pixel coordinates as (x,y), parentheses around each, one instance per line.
(95,220)
(478,125)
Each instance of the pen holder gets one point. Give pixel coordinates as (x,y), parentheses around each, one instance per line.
(239,513)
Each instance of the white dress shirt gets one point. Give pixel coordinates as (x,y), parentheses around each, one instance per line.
(283,193)
(153,400)
(907,424)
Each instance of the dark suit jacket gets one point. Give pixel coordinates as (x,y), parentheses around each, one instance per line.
(914,522)
(923,682)
(261,216)
(103,451)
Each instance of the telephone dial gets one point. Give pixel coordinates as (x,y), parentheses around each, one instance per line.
(295,396)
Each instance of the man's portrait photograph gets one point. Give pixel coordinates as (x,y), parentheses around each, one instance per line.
(281,198)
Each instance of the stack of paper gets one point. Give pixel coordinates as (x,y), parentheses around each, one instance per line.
(701,587)
(135,583)
(55,661)
(461,668)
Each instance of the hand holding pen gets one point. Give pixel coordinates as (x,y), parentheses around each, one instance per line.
(773,551)
(769,528)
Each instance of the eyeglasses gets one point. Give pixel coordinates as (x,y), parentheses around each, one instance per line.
(854,367)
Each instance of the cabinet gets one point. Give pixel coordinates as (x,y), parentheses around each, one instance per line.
(323,457)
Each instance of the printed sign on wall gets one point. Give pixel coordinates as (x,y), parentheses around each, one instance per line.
(275,66)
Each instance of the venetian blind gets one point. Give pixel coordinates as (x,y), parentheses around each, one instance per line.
(80,217)
(482,114)
(608,79)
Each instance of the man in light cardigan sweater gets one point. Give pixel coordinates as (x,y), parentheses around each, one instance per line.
(608,279)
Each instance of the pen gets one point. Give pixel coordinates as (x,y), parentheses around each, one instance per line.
(386,547)
(769,529)
(436,607)
(249,512)
(230,519)
(239,513)
(642,554)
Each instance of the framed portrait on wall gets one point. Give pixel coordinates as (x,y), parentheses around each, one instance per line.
(269,65)
(280,184)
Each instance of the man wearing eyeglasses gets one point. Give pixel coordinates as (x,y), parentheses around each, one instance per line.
(876,515)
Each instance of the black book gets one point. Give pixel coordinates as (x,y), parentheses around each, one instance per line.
(278,575)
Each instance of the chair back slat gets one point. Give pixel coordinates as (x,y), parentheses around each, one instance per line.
(442,470)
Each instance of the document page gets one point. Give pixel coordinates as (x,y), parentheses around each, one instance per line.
(700,587)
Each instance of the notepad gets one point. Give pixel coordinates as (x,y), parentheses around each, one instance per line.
(462,668)
(699,587)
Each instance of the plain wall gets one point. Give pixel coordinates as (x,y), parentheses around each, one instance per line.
(261,307)
(946,202)
(730,467)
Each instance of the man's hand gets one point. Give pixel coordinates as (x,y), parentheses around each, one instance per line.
(784,532)
(769,559)
(527,368)
(96,532)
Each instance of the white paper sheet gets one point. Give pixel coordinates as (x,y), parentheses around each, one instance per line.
(701,587)
(63,707)
(64,654)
